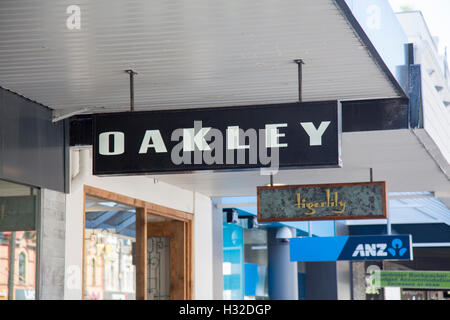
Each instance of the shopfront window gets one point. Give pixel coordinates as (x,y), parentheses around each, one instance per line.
(245,259)
(18,215)
(255,264)
(135,249)
(22,268)
(109,241)
(233,262)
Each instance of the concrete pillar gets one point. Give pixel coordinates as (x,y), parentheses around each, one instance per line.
(358,280)
(282,273)
(217,237)
(52,227)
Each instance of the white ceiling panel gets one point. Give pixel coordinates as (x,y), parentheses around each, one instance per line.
(188,53)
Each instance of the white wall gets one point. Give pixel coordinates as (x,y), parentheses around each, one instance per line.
(436,114)
(392,293)
(217,249)
(147,189)
(344,280)
(203,249)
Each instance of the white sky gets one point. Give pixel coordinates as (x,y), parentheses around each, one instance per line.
(436,14)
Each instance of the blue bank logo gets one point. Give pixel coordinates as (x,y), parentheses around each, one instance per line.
(397,248)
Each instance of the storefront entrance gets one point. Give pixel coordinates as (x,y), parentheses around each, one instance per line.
(135,249)
(167,263)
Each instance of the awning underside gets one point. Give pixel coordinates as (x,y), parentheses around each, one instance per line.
(187,54)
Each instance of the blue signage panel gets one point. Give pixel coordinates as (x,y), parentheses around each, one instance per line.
(351,248)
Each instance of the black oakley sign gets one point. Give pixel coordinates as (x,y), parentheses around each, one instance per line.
(270,136)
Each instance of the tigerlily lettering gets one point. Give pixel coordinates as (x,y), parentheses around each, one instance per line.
(328,202)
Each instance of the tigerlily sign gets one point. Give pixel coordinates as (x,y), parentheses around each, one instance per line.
(343,201)
(292,135)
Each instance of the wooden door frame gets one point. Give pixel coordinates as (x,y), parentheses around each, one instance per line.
(175,231)
(143,209)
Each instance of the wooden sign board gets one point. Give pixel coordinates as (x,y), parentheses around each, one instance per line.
(344,201)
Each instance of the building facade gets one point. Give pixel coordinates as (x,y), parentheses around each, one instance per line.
(67,233)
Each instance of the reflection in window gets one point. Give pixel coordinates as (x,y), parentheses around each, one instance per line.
(18,211)
(255,264)
(17,265)
(22,267)
(109,240)
(94,273)
(245,260)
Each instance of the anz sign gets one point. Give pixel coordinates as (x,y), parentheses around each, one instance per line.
(371,250)
(352,248)
(380,249)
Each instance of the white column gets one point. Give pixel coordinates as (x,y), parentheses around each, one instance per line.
(51,224)
(203,247)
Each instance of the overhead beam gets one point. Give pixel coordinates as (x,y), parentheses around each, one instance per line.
(126,223)
(101,219)
(361,115)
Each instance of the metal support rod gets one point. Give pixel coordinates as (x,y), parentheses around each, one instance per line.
(388,220)
(131,73)
(300,62)
(12,263)
(271,180)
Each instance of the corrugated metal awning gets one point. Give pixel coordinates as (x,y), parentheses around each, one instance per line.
(187,53)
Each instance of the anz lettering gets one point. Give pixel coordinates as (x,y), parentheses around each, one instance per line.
(371,250)
(381,249)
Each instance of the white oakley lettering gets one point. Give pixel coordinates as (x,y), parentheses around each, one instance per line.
(190,139)
(118,146)
(273,135)
(315,135)
(155,137)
